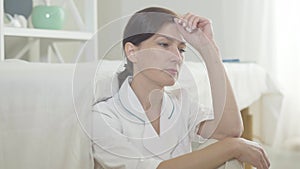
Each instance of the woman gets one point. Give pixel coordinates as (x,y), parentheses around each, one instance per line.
(144,126)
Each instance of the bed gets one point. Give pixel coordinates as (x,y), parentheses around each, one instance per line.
(42,107)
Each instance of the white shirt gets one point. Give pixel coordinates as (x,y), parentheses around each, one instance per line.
(123,136)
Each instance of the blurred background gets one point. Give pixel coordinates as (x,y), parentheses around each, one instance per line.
(265,32)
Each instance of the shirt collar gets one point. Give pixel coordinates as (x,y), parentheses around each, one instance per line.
(132,105)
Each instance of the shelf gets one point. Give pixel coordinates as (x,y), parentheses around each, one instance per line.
(44,44)
(48,34)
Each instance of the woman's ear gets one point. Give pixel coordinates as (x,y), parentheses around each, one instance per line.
(130,50)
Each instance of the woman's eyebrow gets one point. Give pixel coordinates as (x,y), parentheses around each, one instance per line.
(171,39)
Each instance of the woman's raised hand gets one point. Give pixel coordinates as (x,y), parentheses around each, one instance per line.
(196,30)
(194,22)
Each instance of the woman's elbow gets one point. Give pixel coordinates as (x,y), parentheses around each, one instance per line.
(229,131)
(238,131)
(236,128)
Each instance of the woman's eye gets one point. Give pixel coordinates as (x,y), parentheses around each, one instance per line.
(181,50)
(163,44)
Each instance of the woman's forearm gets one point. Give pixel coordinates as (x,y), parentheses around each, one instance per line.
(228,121)
(231,124)
(209,157)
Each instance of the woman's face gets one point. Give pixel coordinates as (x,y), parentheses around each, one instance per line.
(159,58)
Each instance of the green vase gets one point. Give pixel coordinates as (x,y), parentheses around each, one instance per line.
(48,17)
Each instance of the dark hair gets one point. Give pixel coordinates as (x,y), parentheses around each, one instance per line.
(140,27)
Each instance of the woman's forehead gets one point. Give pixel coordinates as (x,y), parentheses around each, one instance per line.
(170,31)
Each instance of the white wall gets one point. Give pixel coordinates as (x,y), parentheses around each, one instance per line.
(230,26)
(110,25)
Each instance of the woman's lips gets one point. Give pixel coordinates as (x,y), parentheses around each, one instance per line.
(172,72)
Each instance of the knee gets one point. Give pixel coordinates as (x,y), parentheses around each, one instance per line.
(231,164)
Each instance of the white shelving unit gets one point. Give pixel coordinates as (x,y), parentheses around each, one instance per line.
(49,34)
(47,38)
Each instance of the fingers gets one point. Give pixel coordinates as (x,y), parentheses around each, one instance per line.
(266,157)
(189,18)
(183,25)
(266,161)
(262,158)
(254,154)
(262,161)
(193,22)
(196,31)
(196,22)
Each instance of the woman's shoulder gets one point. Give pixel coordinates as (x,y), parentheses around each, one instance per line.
(106,105)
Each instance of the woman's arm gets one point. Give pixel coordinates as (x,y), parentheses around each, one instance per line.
(231,124)
(218,153)
(227,121)
(207,158)
(199,35)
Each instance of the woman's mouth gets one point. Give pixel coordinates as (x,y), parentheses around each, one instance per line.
(172,72)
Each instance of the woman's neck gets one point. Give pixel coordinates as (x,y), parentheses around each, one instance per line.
(150,96)
(148,92)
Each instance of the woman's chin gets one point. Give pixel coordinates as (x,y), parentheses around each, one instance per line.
(165,79)
(170,81)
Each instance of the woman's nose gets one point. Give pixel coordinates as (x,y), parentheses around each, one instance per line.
(176,55)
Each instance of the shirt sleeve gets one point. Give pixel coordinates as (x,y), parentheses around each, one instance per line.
(197,114)
(112,149)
